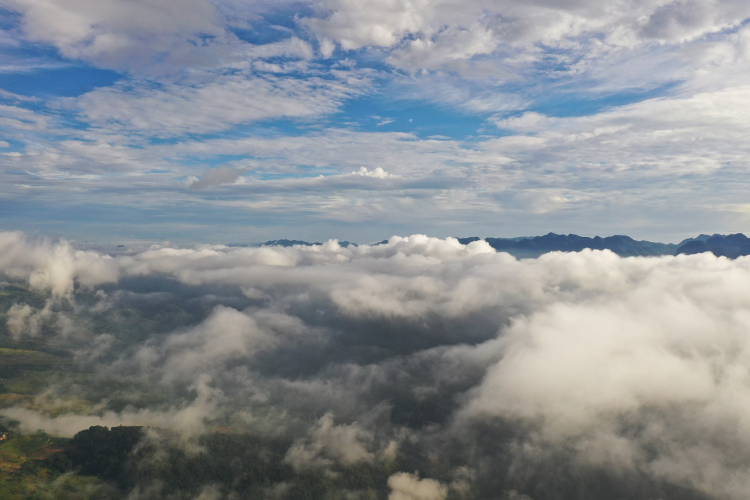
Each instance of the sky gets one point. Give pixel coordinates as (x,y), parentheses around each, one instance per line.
(233,121)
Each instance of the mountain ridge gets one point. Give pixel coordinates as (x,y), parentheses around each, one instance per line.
(731,246)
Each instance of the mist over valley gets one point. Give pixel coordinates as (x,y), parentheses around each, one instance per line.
(419,368)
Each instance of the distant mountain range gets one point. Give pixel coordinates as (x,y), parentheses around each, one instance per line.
(538,245)
(732,246)
(291,243)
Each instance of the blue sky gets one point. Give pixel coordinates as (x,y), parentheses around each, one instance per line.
(238,122)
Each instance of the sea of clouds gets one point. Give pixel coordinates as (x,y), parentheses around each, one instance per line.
(534,375)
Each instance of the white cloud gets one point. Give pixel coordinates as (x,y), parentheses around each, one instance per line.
(681,21)
(377,173)
(583,368)
(620,163)
(329,443)
(18,321)
(680,135)
(396,152)
(226,334)
(613,163)
(219,104)
(13,117)
(291,47)
(188,419)
(447,47)
(53,266)
(426,35)
(124,34)
(406,486)
(636,364)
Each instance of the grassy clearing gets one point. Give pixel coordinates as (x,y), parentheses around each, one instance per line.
(19,448)
(14,453)
(23,476)
(15,361)
(25,372)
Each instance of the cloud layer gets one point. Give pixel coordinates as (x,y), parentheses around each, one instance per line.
(570,366)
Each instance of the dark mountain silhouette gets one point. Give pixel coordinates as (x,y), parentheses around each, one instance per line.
(287,243)
(732,245)
(624,246)
(291,243)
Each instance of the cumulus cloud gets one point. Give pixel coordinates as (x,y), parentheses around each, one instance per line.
(329,443)
(26,322)
(589,369)
(225,335)
(409,487)
(54,266)
(377,173)
(19,317)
